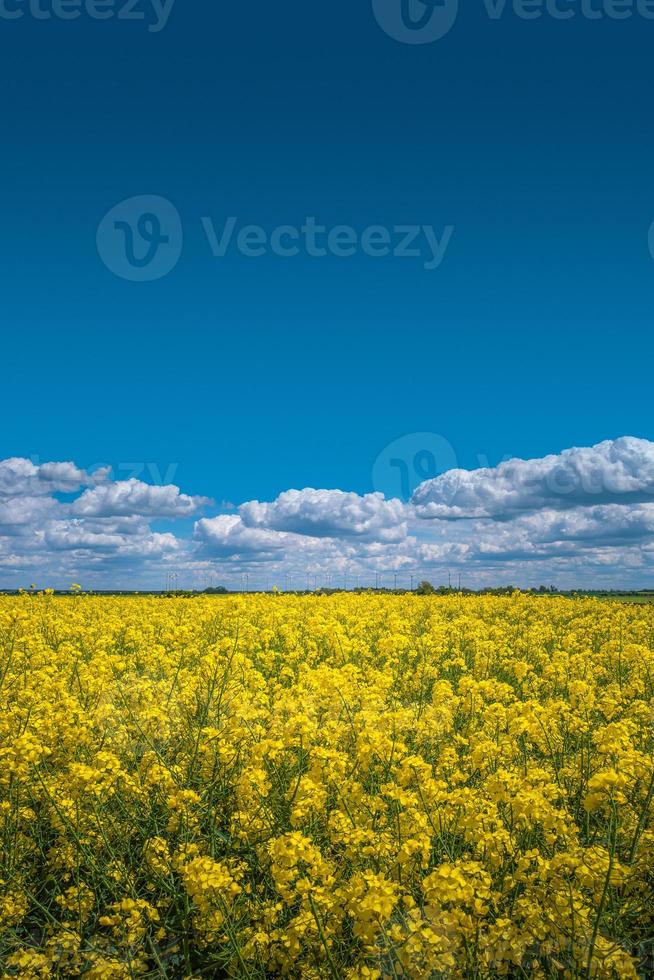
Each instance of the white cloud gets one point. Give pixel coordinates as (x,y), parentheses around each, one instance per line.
(227,537)
(76,535)
(102,530)
(19,477)
(329,514)
(585,516)
(23,512)
(620,471)
(132,497)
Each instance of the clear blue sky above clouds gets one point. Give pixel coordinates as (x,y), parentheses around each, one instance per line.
(250,376)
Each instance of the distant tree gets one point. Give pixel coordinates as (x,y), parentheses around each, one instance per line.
(425,588)
(216,590)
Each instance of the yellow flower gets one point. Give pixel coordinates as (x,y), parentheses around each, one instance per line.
(352,785)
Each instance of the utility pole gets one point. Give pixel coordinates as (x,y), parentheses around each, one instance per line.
(412,583)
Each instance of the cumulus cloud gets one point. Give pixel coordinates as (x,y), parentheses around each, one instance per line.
(619,471)
(106,526)
(76,535)
(227,536)
(24,512)
(132,497)
(20,477)
(577,518)
(330,514)
(544,536)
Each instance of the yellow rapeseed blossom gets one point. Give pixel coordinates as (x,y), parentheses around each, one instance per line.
(351,786)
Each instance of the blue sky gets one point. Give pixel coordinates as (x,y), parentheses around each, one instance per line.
(239,378)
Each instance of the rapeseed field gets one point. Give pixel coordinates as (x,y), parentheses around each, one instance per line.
(351,786)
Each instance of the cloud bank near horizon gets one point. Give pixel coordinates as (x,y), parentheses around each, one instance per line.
(583,517)
(618,471)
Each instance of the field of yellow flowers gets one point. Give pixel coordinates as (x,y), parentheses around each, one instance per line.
(352,786)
